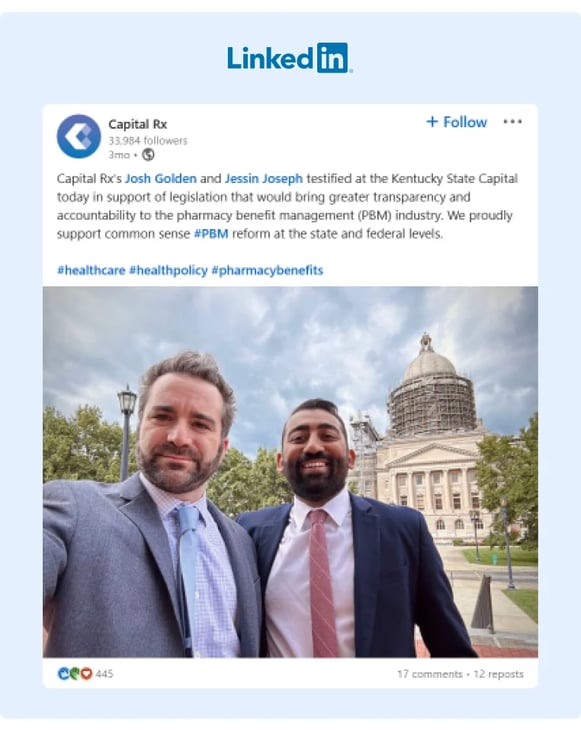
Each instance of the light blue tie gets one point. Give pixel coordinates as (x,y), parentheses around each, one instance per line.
(188,518)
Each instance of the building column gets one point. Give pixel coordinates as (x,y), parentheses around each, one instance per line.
(447,492)
(428,492)
(465,490)
(411,490)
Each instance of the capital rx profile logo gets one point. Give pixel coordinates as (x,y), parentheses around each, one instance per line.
(327,58)
(79,136)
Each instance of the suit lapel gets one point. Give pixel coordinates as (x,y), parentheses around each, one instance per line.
(238,561)
(141,510)
(245,575)
(267,538)
(366,549)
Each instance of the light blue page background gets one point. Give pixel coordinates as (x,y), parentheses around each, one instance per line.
(415,58)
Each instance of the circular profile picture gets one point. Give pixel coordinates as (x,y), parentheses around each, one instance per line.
(78,136)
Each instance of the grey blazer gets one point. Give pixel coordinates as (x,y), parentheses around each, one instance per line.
(109,583)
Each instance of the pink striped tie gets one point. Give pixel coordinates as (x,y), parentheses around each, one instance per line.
(322,610)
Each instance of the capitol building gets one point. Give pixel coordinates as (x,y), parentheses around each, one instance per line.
(427,460)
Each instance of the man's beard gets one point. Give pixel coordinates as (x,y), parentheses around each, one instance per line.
(177,480)
(317,488)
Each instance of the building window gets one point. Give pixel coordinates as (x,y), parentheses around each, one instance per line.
(403,500)
(471,475)
(438,504)
(419,480)
(476,501)
(420,504)
(479,524)
(454,476)
(459,524)
(401,480)
(436,478)
(456,502)
(440,525)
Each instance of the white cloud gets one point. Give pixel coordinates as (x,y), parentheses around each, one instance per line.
(279,346)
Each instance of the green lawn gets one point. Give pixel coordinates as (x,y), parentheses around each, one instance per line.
(518,556)
(525,599)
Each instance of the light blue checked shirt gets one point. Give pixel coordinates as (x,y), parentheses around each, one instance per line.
(215,632)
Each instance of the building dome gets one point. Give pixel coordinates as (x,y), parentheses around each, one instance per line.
(432,397)
(428,362)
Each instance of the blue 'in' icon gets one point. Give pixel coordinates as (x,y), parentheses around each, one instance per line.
(332,58)
(79,136)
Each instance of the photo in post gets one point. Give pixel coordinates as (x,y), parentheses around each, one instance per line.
(453,380)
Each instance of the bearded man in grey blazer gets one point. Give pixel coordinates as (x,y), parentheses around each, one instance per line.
(111,586)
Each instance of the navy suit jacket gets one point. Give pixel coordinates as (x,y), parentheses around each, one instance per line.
(399,579)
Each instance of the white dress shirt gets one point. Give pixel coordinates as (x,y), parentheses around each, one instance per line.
(287,597)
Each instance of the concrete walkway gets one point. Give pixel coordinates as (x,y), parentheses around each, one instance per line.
(515,631)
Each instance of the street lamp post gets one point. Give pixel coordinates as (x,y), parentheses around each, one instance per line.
(475,517)
(127,401)
(504,511)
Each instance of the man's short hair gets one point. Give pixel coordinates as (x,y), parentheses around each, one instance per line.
(324,405)
(198,365)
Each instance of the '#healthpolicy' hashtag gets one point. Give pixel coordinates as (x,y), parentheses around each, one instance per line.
(132,269)
(61,269)
(198,233)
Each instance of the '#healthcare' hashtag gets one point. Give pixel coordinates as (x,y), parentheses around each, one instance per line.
(61,269)
(132,269)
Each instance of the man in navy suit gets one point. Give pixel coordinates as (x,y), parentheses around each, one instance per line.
(386,574)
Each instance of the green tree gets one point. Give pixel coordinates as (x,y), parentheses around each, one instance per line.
(83,446)
(241,484)
(353,486)
(230,486)
(508,468)
(271,487)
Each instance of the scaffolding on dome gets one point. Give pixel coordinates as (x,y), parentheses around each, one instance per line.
(435,402)
(432,404)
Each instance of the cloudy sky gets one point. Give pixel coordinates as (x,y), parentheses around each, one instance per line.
(278,346)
